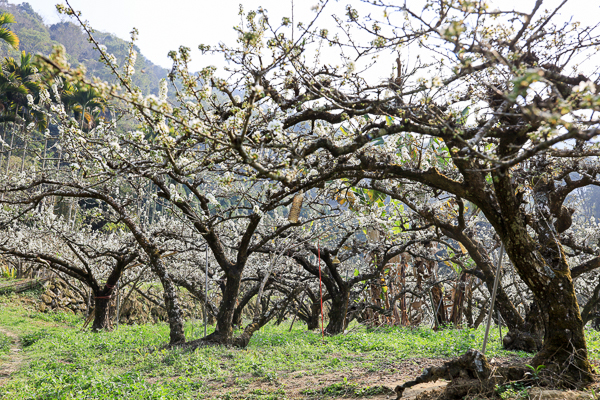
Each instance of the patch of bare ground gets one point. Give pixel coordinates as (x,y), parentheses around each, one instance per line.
(303,384)
(496,376)
(296,384)
(15,359)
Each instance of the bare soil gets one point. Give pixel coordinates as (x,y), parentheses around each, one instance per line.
(294,385)
(15,359)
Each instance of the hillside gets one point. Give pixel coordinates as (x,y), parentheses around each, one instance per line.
(37,37)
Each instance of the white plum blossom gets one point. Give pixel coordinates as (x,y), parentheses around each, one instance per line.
(212,199)
(162,128)
(405,154)
(129,70)
(111,59)
(163,90)
(256,210)
(138,136)
(275,126)
(45,96)
(585,86)
(55,92)
(113,142)
(350,67)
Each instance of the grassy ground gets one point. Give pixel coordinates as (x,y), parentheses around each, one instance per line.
(61,362)
(4,344)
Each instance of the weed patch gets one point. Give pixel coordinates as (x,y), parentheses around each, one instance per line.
(61,362)
(346,389)
(4,343)
(30,338)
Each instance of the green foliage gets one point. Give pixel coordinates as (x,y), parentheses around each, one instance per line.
(6,34)
(512,391)
(131,362)
(345,389)
(30,338)
(4,343)
(35,37)
(58,316)
(7,272)
(535,371)
(593,342)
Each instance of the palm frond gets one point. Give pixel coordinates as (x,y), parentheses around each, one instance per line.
(5,34)
(7,18)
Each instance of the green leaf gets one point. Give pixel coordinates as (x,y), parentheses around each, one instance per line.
(463,116)
(379,141)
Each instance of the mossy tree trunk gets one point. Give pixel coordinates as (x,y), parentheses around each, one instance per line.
(543,267)
(536,254)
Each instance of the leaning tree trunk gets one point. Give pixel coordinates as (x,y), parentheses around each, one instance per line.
(564,339)
(237,314)
(174,313)
(263,315)
(543,267)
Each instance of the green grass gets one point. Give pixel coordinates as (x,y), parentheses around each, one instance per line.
(65,363)
(4,343)
(346,389)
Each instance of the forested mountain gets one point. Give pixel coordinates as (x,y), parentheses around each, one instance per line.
(37,37)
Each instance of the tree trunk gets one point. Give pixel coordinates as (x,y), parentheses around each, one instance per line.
(440,316)
(101,315)
(263,315)
(458,300)
(224,329)
(174,313)
(337,313)
(543,267)
(315,316)
(237,314)
(529,337)
(564,339)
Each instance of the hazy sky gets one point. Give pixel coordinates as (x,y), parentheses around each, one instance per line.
(166,24)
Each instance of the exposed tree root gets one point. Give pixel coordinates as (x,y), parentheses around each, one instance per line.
(472,374)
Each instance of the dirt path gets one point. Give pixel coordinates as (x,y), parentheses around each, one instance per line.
(15,358)
(296,383)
